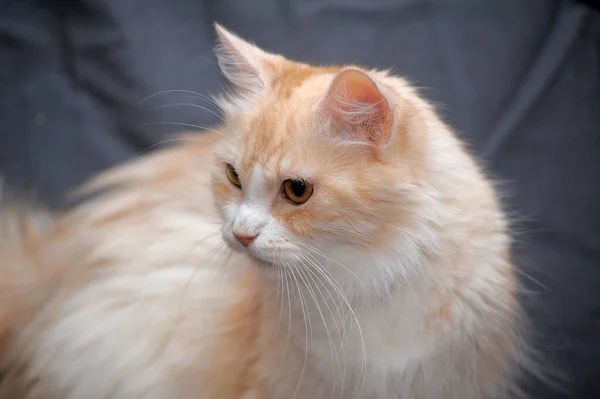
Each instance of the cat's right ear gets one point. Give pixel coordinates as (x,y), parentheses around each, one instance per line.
(357,105)
(246,66)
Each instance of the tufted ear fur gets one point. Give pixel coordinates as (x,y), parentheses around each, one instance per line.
(357,105)
(246,66)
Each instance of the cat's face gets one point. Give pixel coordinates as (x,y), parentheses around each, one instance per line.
(284,191)
(308,167)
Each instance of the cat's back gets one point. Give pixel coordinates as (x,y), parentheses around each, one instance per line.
(128,295)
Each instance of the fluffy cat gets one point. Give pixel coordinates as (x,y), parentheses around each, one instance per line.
(362,254)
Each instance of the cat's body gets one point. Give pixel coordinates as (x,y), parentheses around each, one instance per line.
(389,278)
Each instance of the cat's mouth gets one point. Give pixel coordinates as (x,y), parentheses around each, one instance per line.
(256,256)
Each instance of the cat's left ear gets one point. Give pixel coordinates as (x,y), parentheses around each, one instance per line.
(246,66)
(357,105)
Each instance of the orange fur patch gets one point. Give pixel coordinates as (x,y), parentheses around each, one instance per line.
(291,75)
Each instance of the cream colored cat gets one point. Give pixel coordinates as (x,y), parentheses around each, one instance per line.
(370,257)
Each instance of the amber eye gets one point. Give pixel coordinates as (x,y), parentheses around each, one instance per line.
(297,191)
(233,176)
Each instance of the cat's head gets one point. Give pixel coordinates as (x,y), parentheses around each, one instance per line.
(317,161)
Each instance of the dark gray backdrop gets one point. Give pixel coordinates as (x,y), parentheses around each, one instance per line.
(519,79)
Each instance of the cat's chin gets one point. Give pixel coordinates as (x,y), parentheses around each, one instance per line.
(258,260)
(261,264)
(269,267)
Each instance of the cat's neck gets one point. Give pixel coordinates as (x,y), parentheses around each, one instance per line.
(347,282)
(359,312)
(371,276)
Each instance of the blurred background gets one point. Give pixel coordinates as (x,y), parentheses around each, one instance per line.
(85,84)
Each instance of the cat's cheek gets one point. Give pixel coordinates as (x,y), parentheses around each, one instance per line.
(297,223)
(224,192)
(228,211)
(277,244)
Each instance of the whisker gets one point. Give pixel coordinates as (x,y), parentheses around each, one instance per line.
(532,279)
(280,288)
(201,127)
(222,268)
(189,105)
(320,253)
(195,94)
(169,141)
(306,321)
(289,300)
(332,346)
(199,265)
(343,297)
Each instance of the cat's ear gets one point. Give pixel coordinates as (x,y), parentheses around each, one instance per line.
(246,66)
(357,105)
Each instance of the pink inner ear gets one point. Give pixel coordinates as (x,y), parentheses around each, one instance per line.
(356,103)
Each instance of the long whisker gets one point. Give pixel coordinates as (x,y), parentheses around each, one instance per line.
(342,333)
(533,280)
(306,321)
(312,263)
(189,105)
(176,139)
(203,97)
(222,268)
(314,268)
(343,297)
(289,301)
(333,349)
(280,289)
(195,94)
(199,265)
(201,127)
(320,253)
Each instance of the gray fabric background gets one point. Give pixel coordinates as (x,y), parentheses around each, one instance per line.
(519,79)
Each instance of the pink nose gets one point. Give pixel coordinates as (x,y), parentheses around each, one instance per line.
(244,239)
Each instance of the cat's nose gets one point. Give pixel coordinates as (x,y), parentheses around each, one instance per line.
(244,239)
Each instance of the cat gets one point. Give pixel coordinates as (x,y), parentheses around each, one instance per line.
(356,250)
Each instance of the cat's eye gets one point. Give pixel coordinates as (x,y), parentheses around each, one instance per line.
(233,177)
(297,191)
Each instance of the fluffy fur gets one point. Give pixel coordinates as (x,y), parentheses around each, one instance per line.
(394,280)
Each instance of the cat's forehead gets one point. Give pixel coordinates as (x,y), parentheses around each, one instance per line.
(279,132)
(276,154)
(292,78)
(280,140)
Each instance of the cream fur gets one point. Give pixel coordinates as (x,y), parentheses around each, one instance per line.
(398,285)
